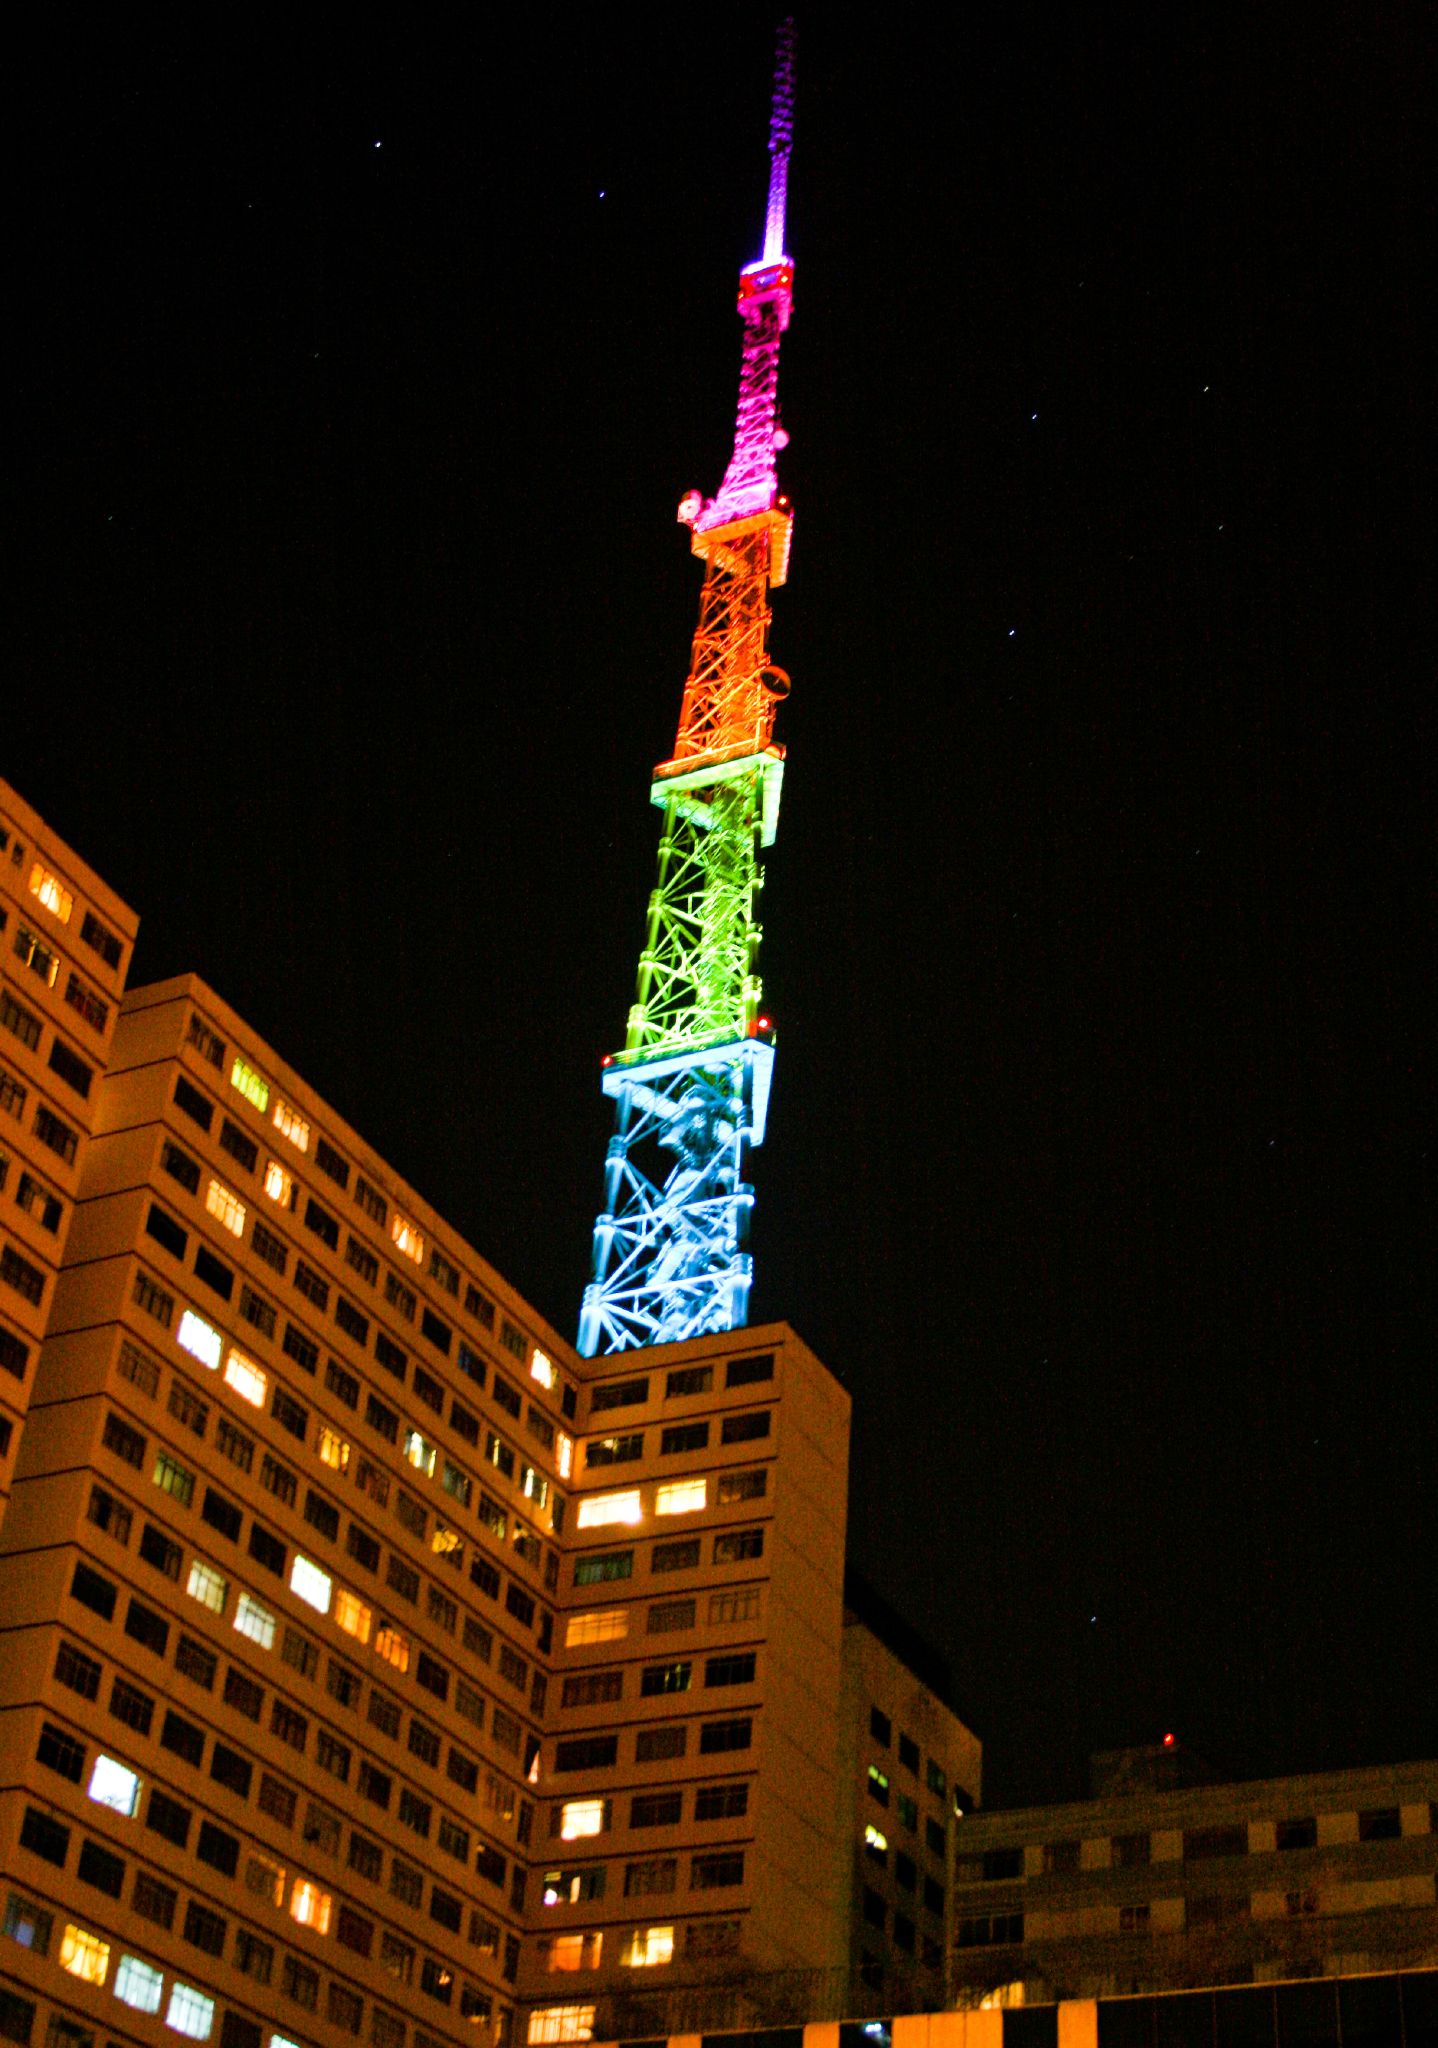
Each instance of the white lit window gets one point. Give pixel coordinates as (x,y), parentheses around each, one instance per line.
(602,1508)
(282,2041)
(112,1785)
(543,1370)
(210,1587)
(311,1584)
(418,1452)
(648,1946)
(581,1817)
(407,1237)
(291,1125)
(352,1615)
(310,1906)
(279,1186)
(681,1497)
(138,1984)
(247,1081)
(553,2024)
(201,1341)
(56,899)
(575,1951)
(533,1485)
(392,1646)
(228,1208)
(597,1625)
(333,1450)
(248,1381)
(565,1454)
(84,1955)
(875,1838)
(255,1621)
(190,2012)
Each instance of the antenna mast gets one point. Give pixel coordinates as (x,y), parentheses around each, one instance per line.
(691,1086)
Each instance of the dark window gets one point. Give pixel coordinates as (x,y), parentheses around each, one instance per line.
(288,1413)
(351,1321)
(322,1514)
(204,1929)
(718,1736)
(614,1450)
(196,1106)
(690,1379)
(438,1333)
(746,1372)
(908,1752)
(905,1873)
(320,1221)
(97,1866)
(196,1662)
(329,1161)
(43,1836)
(267,1549)
(93,1592)
(656,1809)
(214,1272)
(157,1549)
(1002,1863)
(743,1429)
(342,1384)
(1200,1843)
(665,1678)
(130,1705)
(311,1285)
(166,1231)
(60,1752)
(183,1737)
(708,1873)
(880,1727)
(684,1436)
(737,1670)
(362,1259)
(390,1355)
(464,1422)
(229,1768)
(738,1546)
(432,1675)
(1130,1852)
(51,1131)
(167,1818)
(679,1556)
(255,1309)
(70,1067)
(1380,1824)
(180,1167)
(1297,1834)
(238,1144)
(371,1201)
(217,1848)
(472,1365)
(362,1547)
(619,1394)
(381,1419)
(242,1693)
(153,1900)
(586,1752)
(721,1802)
(221,1514)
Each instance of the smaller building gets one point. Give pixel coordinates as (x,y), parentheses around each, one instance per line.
(1163,1884)
(908,1766)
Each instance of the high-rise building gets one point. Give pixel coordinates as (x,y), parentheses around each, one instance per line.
(375,1666)
(65,942)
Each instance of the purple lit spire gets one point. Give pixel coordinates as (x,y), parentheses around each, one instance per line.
(781,136)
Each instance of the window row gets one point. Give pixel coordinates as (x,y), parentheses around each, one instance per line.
(746,1426)
(681,1384)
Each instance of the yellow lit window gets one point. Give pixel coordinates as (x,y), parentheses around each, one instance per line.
(575,1951)
(596,1625)
(647,1946)
(580,1818)
(392,1646)
(603,1508)
(198,1337)
(543,1370)
(227,1207)
(533,1485)
(291,1125)
(419,1452)
(681,1497)
(279,1186)
(250,1085)
(874,1838)
(248,1381)
(445,1542)
(551,2025)
(352,1615)
(310,1906)
(407,1237)
(84,1955)
(333,1450)
(565,1454)
(266,1879)
(59,901)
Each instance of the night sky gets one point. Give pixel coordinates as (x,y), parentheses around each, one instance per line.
(359,374)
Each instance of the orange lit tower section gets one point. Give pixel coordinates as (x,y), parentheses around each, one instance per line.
(691,1086)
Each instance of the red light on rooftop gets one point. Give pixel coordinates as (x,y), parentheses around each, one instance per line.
(1170,1742)
(608,1060)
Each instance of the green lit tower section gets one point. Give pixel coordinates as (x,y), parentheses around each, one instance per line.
(691,1086)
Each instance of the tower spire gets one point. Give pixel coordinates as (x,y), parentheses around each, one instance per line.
(691,1085)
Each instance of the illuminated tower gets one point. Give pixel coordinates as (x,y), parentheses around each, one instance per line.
(691,1087)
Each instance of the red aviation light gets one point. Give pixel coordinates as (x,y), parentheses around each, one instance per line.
(1170,1742)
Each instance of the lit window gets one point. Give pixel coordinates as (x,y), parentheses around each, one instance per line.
(681,1497)
(876,1840)
(565,1453)
(407,1237)
(581,1817)
(598,1625)
(279,1186)
(445,1542)
(112,1785)
(196,1336)
(310,1906)
(352,1615)
(208,1586)
(550,2024)
(190,2012)
(333,1450)
(543,1370)
(311,1584)
(602,1508)
(255,1621)
(250,1085)
(575,1951)
(84,1955)
(138,1984)
(246,1378)
(392,1646)
(60,902)
(418,1452)
(647,1946)
(228,1208)
(291,1126)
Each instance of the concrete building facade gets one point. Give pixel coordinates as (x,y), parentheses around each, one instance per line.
(1144,1891)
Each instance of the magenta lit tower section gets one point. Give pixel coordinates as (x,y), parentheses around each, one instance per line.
(691,1085)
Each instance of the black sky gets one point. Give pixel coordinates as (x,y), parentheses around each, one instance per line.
(348,615)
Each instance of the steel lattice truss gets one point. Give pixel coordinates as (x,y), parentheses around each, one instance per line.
(691,1086)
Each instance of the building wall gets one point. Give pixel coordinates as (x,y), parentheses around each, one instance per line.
(909,1767)
(1213,1884)
(65,945)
